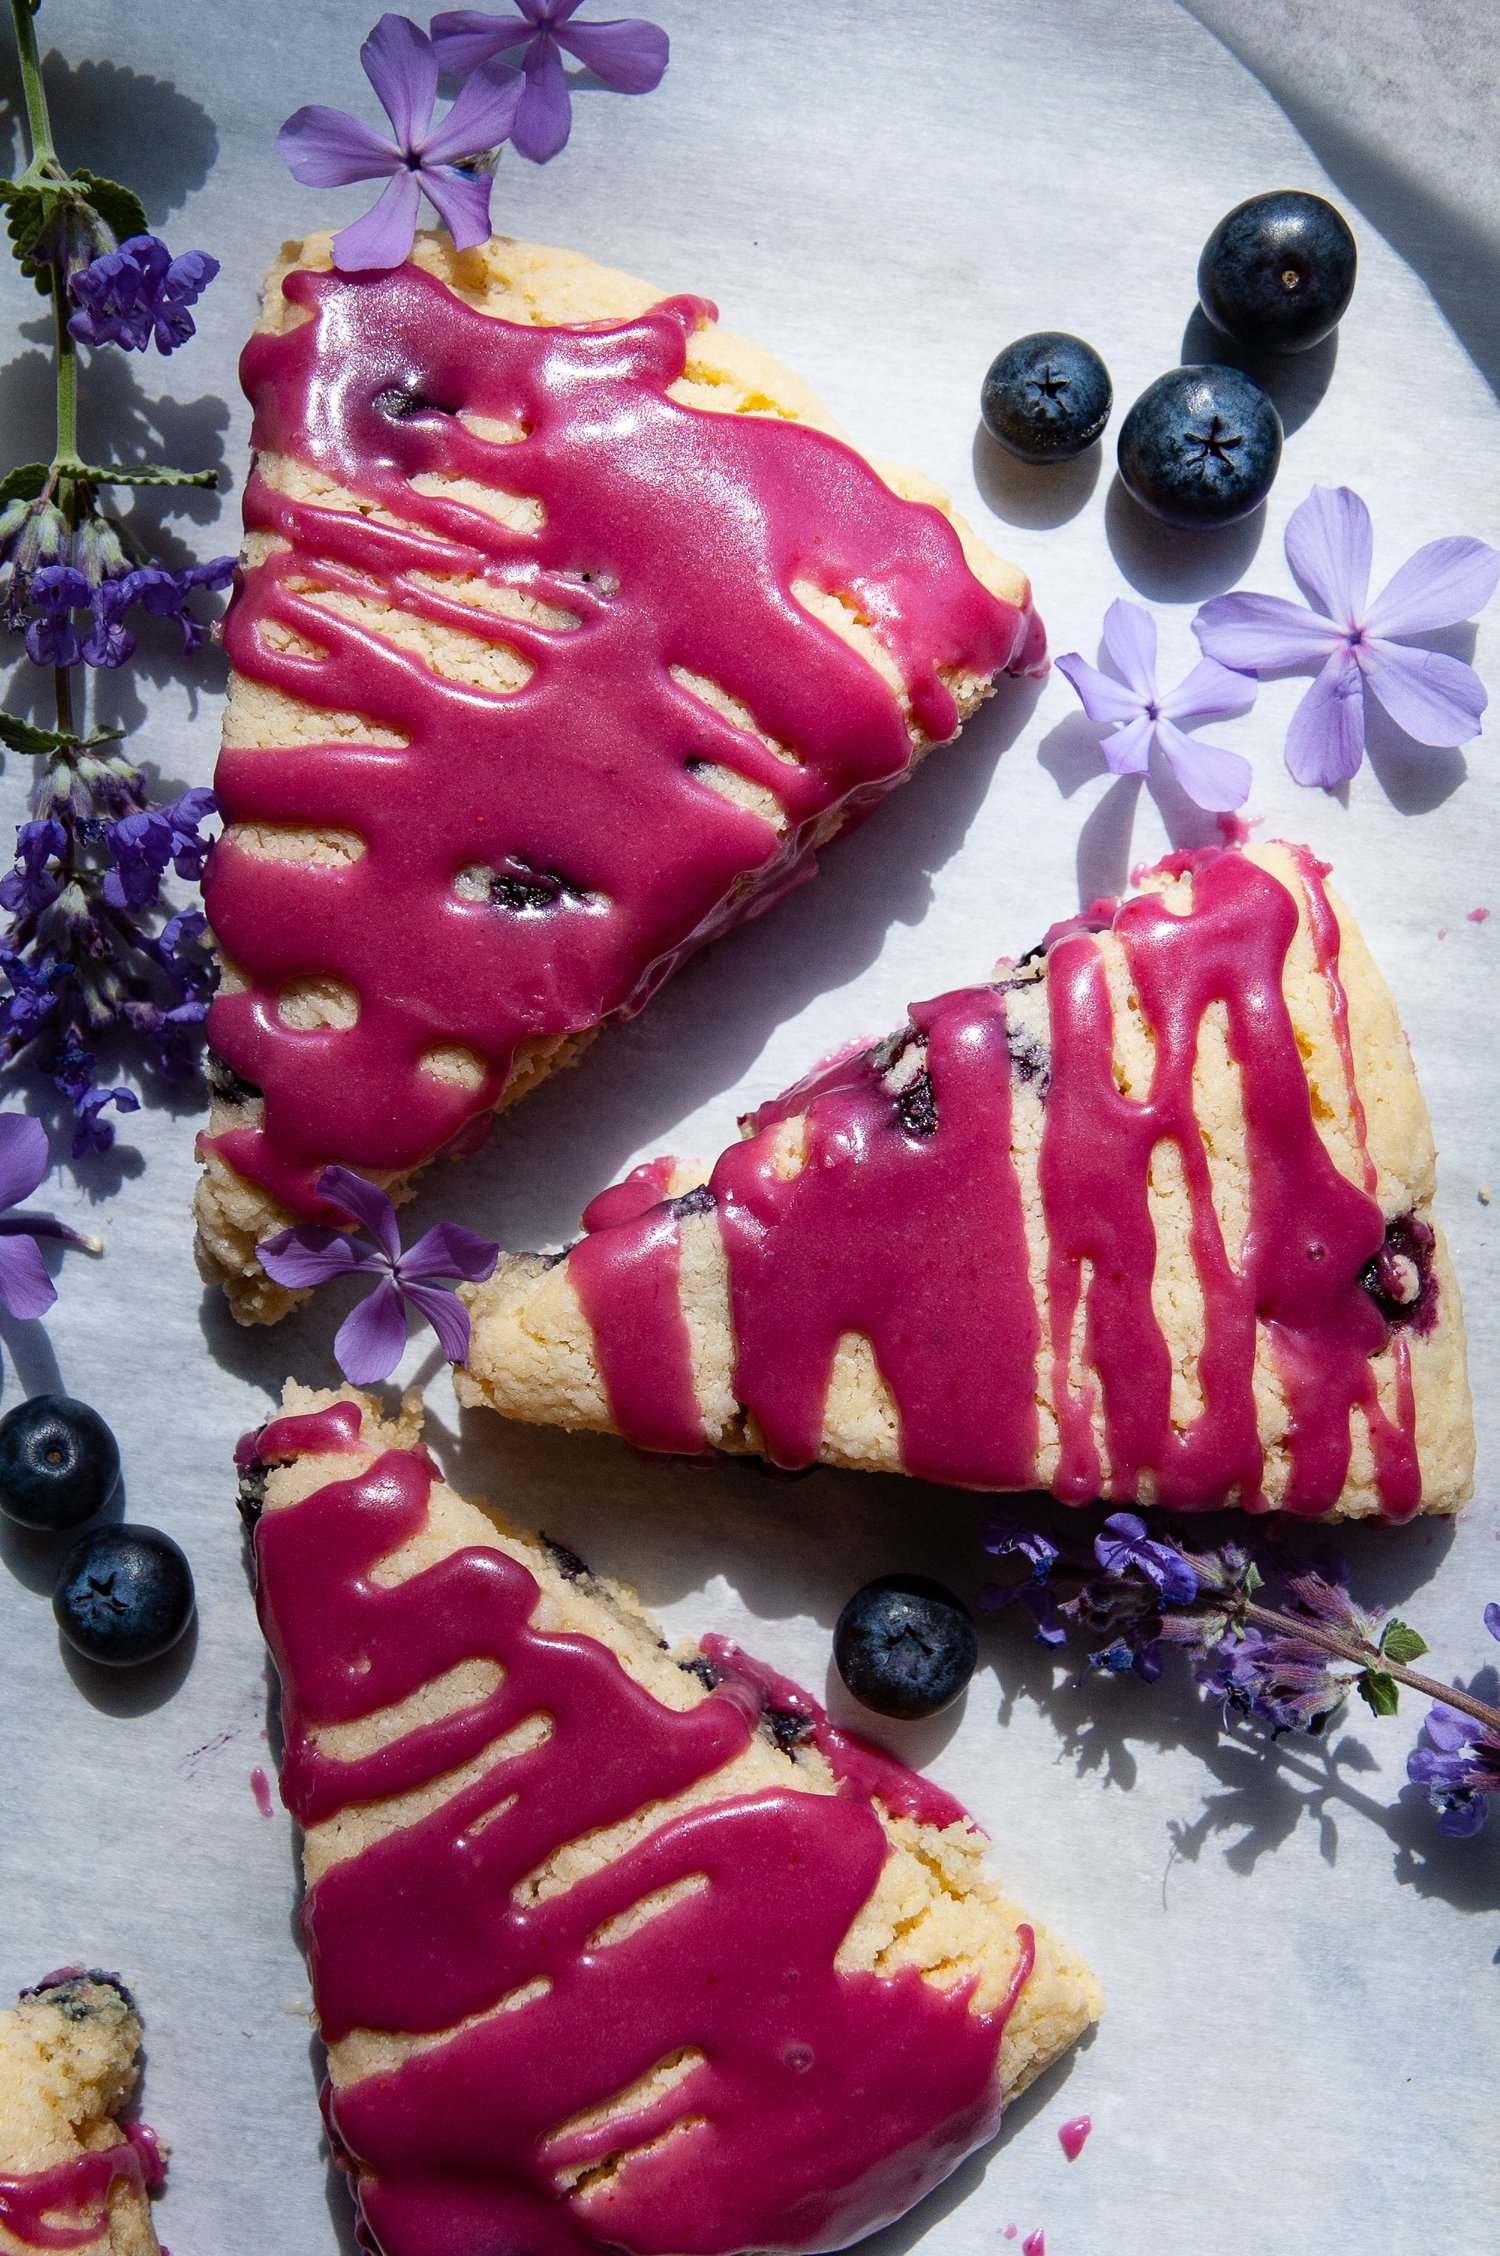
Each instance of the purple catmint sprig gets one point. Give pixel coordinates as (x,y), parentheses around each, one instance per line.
(138,293)
(628,54)
(367,1345)
(1292,1667)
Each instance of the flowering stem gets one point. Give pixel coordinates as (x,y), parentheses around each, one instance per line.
(38,123)
(1364,1655)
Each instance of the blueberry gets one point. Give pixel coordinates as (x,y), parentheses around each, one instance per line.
(1046,397)
(905,1646)
(1200,447)
(1277,273)
(58,1463)
(125,1594)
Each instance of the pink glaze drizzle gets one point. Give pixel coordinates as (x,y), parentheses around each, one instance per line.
(260,1787)
(1072,2134)
(78,2190)
(825,2103)
(1035,2244)
(673,536)
(915,1240)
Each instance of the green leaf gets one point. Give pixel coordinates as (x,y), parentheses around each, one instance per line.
(1401,1643)
(26,736)
(121,209)
(27,211)
(23,483)
(144,474)
(1379,1692)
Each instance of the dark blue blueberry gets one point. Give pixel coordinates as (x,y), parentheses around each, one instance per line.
(905,1646)
(1046,397)
(1201,447)
(59,1464)
(125,1595)
(1277,273)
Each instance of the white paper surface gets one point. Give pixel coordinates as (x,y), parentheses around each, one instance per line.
(1301,1990)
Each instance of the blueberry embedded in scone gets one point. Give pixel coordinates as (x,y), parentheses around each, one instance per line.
(569,630)
(71,2175)
(612,1946)
(1146,1217)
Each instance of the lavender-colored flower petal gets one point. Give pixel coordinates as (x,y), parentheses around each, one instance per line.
(24,1156)
(1448,1728)
(1004,1534)
(463,38)
(1463,1817)
(1102,697)
(1130,639)
(309,1255)
(449,1250)
(367,1345)
(462,200)
(1438,700)
(1444,583)
(629,54)
(1127,751)
(1211,692)
(1329,543)
(1210,776)
(384,236)
(1492,1618)
(481,117)
(25,1286)
(368,1204)
(1041,1604)
(1326,740)
(1260,634)
(326,148)
(399,63)
(544,116)
(448,1317)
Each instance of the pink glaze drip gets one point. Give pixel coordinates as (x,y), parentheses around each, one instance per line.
(1479,916)
(825,2103)
(260,1787)
(1035,2244)
(625,1272)
(673,536)
(914,1239)
(78,2191)
(1072,2134)
(1324,927)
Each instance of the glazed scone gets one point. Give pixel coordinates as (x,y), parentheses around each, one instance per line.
(1148,1218)
(70,2176)
(568,630)
(611,1945)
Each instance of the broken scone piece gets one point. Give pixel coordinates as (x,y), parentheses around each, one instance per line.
(612,1946)
(569,631)
(71,2175)
(1148,1216)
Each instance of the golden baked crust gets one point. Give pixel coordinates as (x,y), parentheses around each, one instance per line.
(68,2065)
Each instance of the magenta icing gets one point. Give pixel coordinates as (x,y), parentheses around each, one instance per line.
(260,1789)
(1072,2134)
(68,2205)
(915,1239)
(825,2104)
(674,536)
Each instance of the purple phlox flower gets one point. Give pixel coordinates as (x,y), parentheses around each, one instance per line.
(1123,1543)
(368,1344)
(128,296)
(58,591)
(628,54)
(1138,716)
(92,1132)
(1355,642)
(34,884)
(141,845)
(326,148)
(166,593)
(1281,1681)
(25,1286)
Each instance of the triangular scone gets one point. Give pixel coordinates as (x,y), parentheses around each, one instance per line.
(70,2175)
(569,629)
(1149,1217)
(611,1946)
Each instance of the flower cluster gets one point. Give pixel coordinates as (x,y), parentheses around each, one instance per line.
(48,575)
(139,292)
(1460,1764)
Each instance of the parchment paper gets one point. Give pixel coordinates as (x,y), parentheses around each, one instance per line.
(1302,2018)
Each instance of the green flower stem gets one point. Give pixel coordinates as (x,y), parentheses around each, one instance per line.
(38,122)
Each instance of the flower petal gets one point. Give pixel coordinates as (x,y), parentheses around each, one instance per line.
(462,202)
(1130,639)
(1257,634)
(1326,740)
(1329,543)
(308,1254)
(628,54)
(463,38)
(367,1203)
(449,1250)
(545,114)
(448,1317)
(1448,1728)
(1210,776)
(326,148)
(1102,697)
(25,1286)
(1445,583)
(1211,692)
(367,1345)
(1435,698)
(401,66)
(481,116)
(384,236)
(24,1156)
(1127,751)
(1492,1618)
